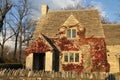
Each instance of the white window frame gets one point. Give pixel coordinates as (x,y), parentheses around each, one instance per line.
(71,33)
(69,57)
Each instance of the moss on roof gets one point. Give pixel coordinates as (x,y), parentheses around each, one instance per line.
(50,24)
(112,34)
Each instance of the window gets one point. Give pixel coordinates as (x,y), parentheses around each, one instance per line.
(71,57)
(71,33)
(66,57)
(76,57)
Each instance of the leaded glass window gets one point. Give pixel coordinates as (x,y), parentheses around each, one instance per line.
(73,33)
(66,57)
(71,57)
(76,57)
(69,33)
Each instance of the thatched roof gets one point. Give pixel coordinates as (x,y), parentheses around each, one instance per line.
(50,24)
(112,34)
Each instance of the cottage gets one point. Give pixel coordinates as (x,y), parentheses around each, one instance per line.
(112,39)
(71,40)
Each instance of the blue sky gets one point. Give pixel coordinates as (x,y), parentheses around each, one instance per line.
(110,8)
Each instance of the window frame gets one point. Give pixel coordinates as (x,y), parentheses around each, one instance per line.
(71,57)
(74,34)
(71,34)
(74,57)
(66,55)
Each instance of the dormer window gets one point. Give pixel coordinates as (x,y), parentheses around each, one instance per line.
(71,33)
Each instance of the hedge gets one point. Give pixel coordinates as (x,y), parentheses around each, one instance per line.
(11,66)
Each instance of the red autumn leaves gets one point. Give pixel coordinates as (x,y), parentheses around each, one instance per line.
(73,67)
(38,46)
(66,45)
(97,53)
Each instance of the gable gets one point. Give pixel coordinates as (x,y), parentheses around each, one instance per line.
(39,45)
(50,24)
(71,28)
(71,21)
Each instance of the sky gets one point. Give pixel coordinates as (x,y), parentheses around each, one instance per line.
(109,8)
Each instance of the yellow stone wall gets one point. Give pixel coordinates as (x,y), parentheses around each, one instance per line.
(48,61)
(29,61)
(113,58)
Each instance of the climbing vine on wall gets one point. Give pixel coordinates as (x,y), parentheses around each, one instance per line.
(97,53)
(73,67)
(38,46)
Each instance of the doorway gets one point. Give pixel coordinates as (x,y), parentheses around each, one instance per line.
(42,61)
(39,61)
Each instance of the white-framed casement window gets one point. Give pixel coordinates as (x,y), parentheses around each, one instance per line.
(71,57)
(66,57)
(71,33)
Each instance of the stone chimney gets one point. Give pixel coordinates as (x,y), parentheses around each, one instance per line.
(44,10)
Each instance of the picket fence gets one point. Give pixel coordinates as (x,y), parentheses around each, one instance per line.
(23,74)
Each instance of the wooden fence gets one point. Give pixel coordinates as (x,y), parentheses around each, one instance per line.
(22,74)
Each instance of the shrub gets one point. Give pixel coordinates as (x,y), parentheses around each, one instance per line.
(11,66)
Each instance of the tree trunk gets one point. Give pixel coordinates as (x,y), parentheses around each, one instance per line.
(15,49)
(20,48)
(2,52)
(20,42)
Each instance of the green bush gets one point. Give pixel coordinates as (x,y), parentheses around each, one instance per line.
(11,66)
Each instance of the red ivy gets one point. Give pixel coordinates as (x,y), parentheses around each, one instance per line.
(97,52)
(38,46)
(72,67)
(67,45)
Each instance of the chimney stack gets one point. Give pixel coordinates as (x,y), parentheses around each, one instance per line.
(44,10)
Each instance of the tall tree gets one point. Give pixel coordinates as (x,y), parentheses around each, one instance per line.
(4,38)
(5,6)
(24,24)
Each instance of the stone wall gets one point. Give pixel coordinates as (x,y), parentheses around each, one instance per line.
(29,61)
(113,58)
(48,61)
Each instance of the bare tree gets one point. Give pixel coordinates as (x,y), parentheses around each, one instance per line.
(23,24)
(105,20)
(80,6)
(4,38)
(5,6)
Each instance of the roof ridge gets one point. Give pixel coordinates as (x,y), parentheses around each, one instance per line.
(71,10)
(110,24)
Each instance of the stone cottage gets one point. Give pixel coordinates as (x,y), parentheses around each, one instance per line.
(112,39)
(71,40)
